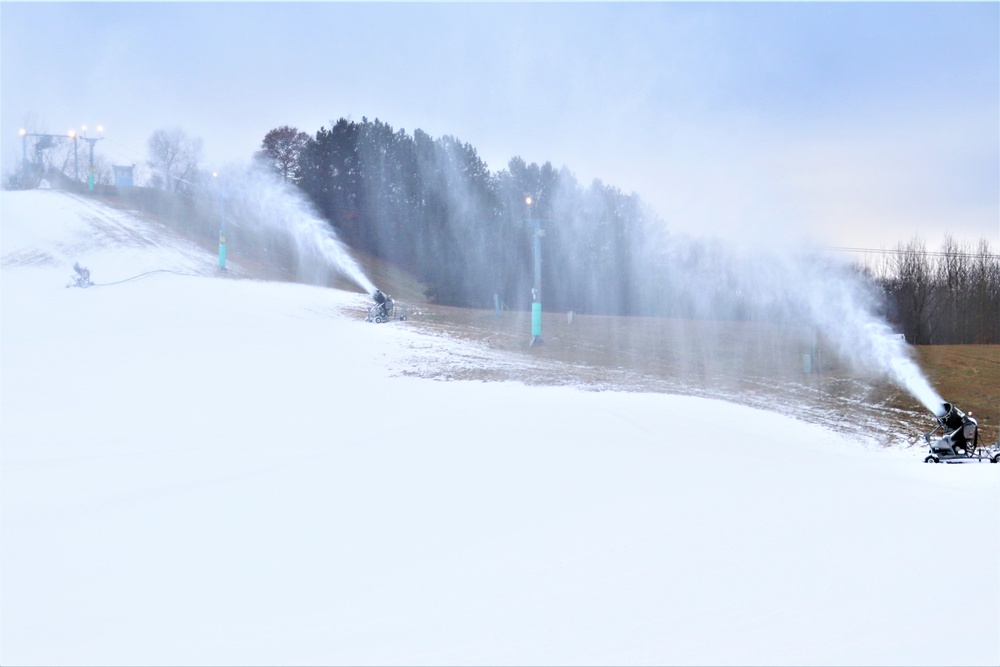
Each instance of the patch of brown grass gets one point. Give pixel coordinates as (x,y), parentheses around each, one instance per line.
(758,364)
(967,376)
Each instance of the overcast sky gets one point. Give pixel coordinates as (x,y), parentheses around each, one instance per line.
(852,124)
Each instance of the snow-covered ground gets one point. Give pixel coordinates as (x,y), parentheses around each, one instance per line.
(207,470)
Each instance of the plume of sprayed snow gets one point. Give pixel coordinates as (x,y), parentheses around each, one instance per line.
(844,312)
(275,215)
(799,286)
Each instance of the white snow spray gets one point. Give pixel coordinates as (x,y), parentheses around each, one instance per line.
(801,286)
(277,219)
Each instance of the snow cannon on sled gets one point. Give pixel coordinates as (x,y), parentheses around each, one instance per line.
(959,441)
(384,309)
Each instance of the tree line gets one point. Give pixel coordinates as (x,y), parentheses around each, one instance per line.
(433,207)
(951,296)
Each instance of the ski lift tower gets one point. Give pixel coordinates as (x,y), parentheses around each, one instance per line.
(44,142)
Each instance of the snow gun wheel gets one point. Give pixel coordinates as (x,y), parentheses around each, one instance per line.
(402,318)
(378,319)
(931,459)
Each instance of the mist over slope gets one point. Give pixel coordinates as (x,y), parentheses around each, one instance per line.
(204,469)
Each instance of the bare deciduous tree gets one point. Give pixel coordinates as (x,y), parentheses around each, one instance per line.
(984,291)
(173,159)
(914,290)
(946,297)
(953,287)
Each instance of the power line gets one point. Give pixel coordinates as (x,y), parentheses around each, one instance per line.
(122,150)
(920,253)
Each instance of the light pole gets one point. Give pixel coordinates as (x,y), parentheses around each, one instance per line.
(92,141)
(222,225)
(536,292)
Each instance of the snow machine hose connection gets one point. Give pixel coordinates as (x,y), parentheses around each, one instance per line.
(81,277)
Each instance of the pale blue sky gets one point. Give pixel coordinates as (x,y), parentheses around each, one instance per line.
(851,123)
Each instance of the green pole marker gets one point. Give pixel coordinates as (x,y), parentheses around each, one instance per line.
(222,232)
(536,292)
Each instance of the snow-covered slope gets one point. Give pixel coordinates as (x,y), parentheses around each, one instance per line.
(202,470)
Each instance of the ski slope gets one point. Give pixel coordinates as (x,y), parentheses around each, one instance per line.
(204,469)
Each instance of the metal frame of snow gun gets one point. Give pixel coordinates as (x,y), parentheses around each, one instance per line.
(384,309)
(377,314)
(946,450)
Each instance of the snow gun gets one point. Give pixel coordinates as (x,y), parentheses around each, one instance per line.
(384,309)
(959,440)
(81,278)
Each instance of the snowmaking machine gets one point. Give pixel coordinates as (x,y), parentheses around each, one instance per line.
(81,278)
(959,441)
(384,309)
